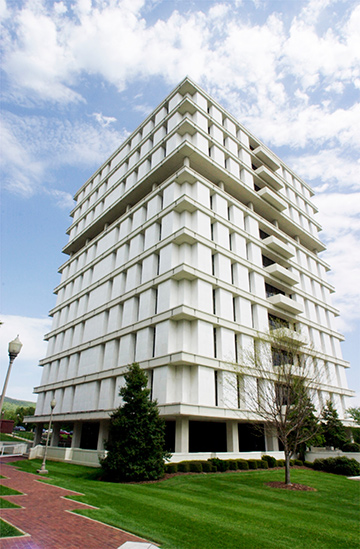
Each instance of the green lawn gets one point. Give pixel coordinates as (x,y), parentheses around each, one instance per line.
(6,530)
(228,510)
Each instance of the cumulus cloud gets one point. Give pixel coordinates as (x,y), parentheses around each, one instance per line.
(35,145)
(339,215)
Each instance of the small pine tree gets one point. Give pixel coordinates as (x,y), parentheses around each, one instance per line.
(137,434)
(333,430)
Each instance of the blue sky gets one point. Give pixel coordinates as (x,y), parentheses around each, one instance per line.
(78,76)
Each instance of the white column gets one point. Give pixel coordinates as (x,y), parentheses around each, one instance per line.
(232,436)
(103,434)
(55,434)
(76,438)
(38,433)
(182,435)
(271,440)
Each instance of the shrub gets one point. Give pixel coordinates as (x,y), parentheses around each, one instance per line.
(207,467)
(252,463)
(318,464)
(339,466)
(308,464)
(298,462)
(233,464)
(171,468)
(351,447)
(264,464)
(222,465)
(195,467)
(242,465)
(271,461)
(184,467)
(280,463)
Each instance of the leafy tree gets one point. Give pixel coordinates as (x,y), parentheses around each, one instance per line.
(333,430)
(355,414)
(137,434)
(285,380)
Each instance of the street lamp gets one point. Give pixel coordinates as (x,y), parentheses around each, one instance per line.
(14,349)
(42,469)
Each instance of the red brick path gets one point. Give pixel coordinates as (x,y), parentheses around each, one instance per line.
(46,518)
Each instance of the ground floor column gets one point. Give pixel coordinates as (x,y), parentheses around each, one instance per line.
(103,434)
(182,435)
(76,438)
(55,434)
(271,439)
(232,436)
(38,433)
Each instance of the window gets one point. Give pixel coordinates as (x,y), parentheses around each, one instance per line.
(154,341)
(281,357)
(216,380)
(239,382)
(266,261)
(276,322)
(271,290)
(215,342)
(213,264)
(214,301)
(263,234)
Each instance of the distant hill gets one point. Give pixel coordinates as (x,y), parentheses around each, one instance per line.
(13,403)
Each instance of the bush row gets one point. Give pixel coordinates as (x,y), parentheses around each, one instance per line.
(341,465)
(214,465)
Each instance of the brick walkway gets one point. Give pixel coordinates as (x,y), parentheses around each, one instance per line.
(46,519)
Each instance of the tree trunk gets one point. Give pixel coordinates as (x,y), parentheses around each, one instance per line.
(287,468)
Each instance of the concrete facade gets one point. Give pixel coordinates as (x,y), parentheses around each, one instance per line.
(182,244)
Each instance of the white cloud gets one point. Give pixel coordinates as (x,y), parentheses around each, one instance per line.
(103,120)
(34,146)
(339,215)
(330,166)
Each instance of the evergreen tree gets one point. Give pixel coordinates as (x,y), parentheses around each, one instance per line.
(333,430)
(137,434)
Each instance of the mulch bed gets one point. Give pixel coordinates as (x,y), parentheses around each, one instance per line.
(297,487)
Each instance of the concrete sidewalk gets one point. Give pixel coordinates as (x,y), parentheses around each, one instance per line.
(47,521)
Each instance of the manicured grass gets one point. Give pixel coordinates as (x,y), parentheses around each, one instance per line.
(227,510)
(7,531)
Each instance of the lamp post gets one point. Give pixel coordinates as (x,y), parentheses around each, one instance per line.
(14,349)
(42,469)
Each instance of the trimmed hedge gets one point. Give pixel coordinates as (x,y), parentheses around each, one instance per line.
(195,467)
(341,465)
(252,463)
(184,467)
(280,463)
(207,467)
(171,468)
(233,464)
(242,465)
(351,447)
(271,461)
(221,465)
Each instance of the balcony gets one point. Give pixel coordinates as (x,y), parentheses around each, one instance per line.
(282,274)
(278,246)
(261,153)
(269,177)
(286,304)
(288,336)
(272,198)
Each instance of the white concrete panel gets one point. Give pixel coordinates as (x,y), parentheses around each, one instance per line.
(127,350)
(206,386)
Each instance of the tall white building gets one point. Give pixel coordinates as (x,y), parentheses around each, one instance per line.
(189,240)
